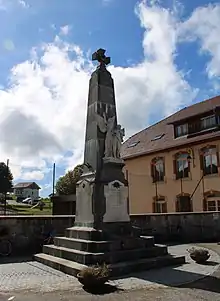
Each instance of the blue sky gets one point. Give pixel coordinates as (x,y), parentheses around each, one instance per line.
(165,54)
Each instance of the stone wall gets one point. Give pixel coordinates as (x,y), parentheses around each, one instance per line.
(27,232)
(64,204)
(180,227)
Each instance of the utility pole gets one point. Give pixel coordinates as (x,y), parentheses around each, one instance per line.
(5,202)
(53,179)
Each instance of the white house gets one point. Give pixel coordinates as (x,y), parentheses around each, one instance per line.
(27,189)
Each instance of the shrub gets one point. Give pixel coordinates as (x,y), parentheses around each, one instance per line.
(199,255)
(95,272)
(198,252)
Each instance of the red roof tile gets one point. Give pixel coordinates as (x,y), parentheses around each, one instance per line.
(144,139)
(26,185)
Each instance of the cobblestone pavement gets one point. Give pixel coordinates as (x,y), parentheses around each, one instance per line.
(168,294)
(35,276)
(62,287)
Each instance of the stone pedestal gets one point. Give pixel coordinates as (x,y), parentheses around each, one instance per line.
(84,204)
(116,202)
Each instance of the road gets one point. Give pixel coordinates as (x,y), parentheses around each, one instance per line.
(10,212)
(205,289)
(13,202)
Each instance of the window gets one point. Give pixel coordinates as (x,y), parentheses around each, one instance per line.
(133,144)
(182,165)
(209,161)
(184,203)
(157,169)
(213,205)
(208,122)
(181,130)
(157,137)
(19,192)
(159,205)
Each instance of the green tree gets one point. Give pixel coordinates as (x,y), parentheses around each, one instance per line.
(66,184)
(6,178)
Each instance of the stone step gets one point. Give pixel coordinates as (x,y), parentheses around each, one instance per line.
(78,256)
(91,234)
(82,244)
(148,241)
(63,265)
(118,269)
(104,246)
(109,257)
(123,268)
(85,233)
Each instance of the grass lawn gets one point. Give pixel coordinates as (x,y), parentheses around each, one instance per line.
(26,209)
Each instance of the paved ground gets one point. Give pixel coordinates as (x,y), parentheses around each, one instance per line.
(151,285)
(13,202)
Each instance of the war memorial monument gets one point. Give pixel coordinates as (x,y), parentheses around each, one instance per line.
(102,231)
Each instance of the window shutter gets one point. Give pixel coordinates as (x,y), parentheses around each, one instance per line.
(218,162)
(177,205)
(152,171)
(164,206)
(154,207)
(204,204)
(126,174)
(191,204)
(164,170)
(217,155)
(201,157)
(189,166)
(174,167)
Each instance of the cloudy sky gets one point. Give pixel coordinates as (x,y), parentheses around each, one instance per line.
(165,56)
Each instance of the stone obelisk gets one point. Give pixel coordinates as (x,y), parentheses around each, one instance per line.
(102,192)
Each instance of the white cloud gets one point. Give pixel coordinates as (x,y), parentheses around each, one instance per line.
(64,30)
(204,25)
(23,3)
(43,113)
(9,4)
(156,82)
(32,175)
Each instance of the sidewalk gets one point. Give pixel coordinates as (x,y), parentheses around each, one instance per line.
(33,281)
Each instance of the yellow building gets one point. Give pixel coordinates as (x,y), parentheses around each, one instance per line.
(174,165)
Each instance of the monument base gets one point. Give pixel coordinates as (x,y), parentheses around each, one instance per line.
(113,240)
(112,170)
(84,246)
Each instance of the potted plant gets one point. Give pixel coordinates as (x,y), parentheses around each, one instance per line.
(199,255)
(94,276)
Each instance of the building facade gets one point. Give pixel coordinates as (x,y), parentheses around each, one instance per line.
(173,166)
(27,189)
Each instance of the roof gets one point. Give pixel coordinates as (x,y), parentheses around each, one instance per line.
(31,185)
(145,142)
